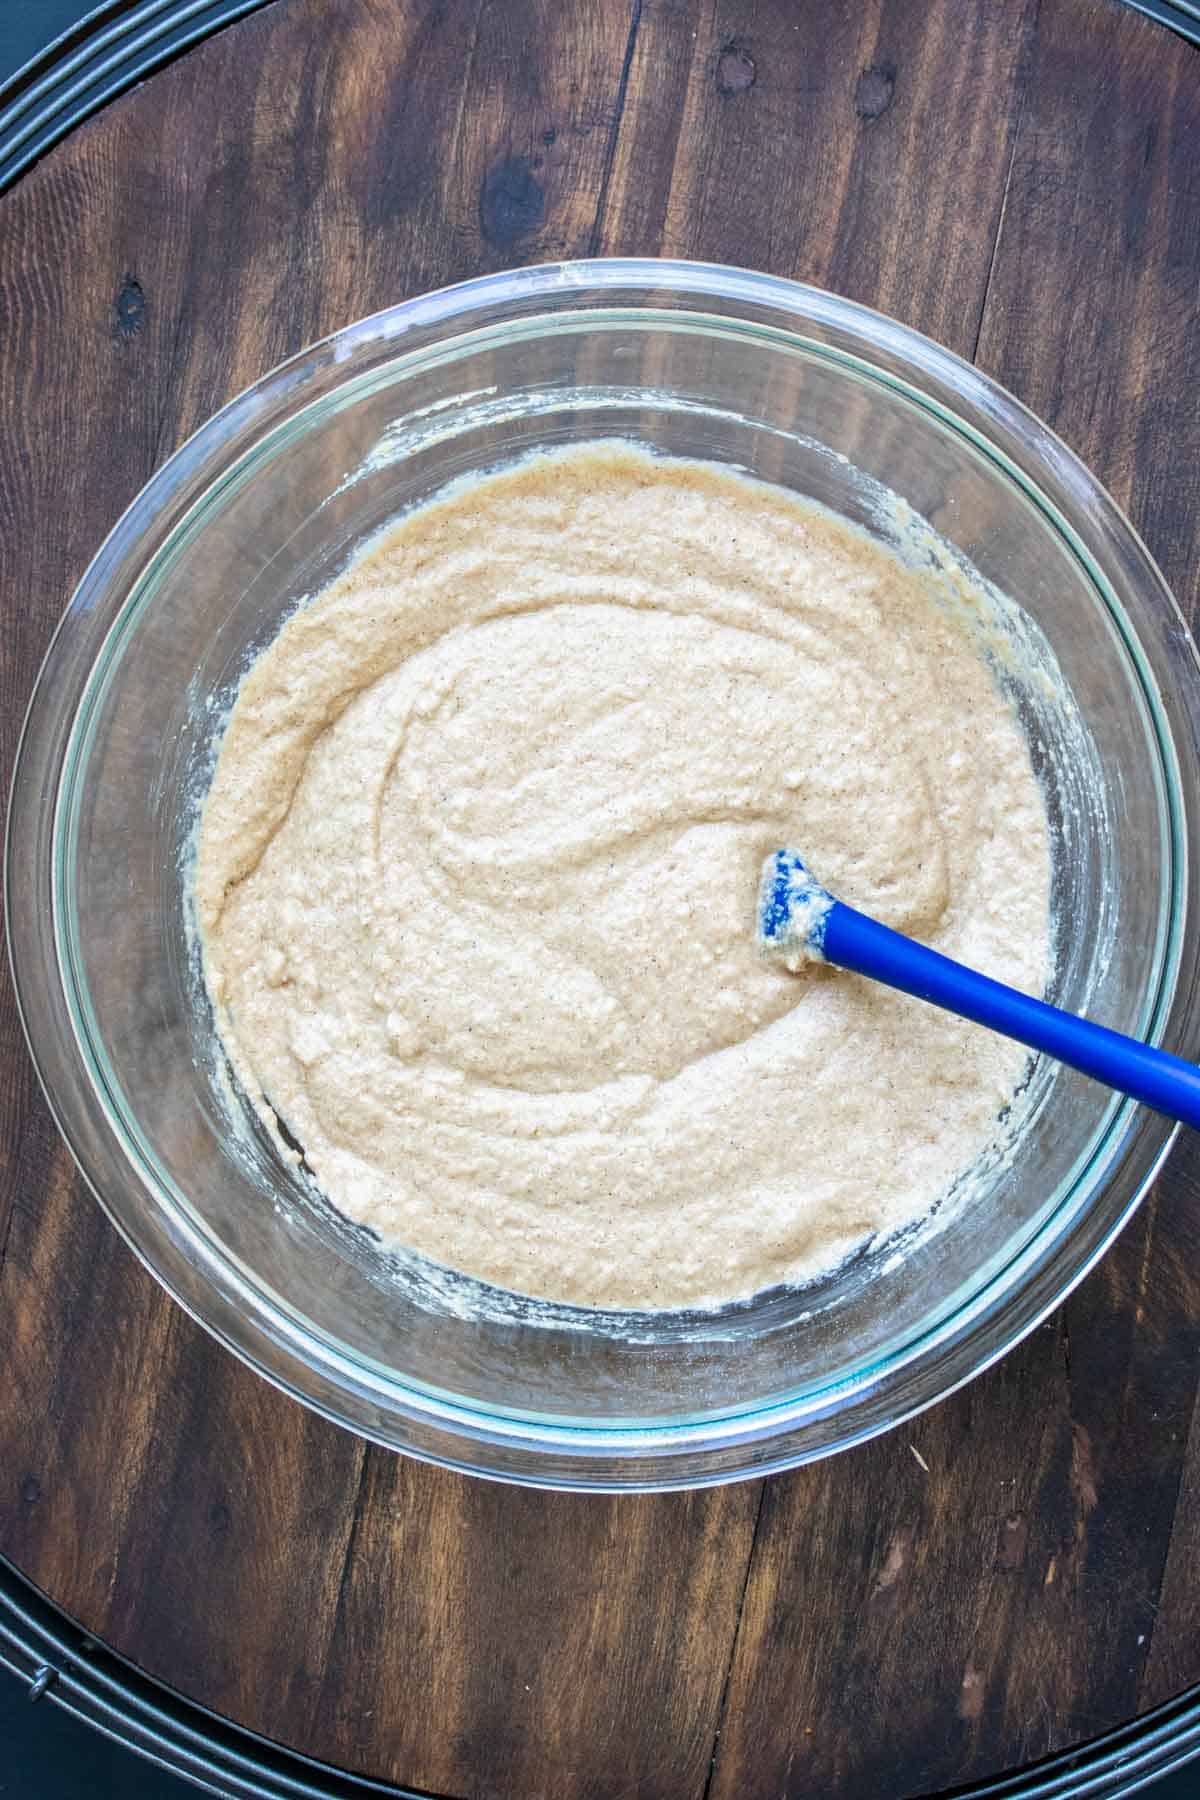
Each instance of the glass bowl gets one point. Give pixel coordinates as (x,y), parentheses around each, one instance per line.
(259,509)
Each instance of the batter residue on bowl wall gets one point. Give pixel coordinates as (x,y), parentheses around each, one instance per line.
(477,872)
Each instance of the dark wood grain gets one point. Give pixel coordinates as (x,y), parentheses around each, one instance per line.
(1171,1664)
(863,147)
(1018,180)
(568,1644)
(312,164)
(1010,1602)
(1108,168)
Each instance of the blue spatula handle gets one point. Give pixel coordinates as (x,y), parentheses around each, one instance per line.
(1167,1083)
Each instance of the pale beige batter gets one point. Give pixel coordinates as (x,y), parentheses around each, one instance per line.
(477,874)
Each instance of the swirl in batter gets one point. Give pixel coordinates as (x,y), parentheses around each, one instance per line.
(477,871)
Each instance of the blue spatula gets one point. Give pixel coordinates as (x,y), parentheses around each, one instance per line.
(799,920)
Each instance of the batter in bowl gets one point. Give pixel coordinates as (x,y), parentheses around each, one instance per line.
(477,873)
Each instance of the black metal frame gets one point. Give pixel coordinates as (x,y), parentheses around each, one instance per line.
(62,1665)
(114,46)
(1182,16)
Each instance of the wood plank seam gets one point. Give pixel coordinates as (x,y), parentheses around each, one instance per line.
(352,1535)
(162,442)
(733,1642)
(610,153)
(1025,66)
(10,1214)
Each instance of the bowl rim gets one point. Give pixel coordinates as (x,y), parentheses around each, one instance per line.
(747,1440)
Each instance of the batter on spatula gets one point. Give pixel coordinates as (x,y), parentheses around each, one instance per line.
(477,873)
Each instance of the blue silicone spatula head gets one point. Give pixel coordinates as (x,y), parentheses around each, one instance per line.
(800,922)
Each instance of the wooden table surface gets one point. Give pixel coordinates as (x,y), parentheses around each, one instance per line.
(1021,180)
